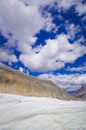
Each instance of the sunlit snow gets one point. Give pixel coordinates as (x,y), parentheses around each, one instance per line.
(33,113)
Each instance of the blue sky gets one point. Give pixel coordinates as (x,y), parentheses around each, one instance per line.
(46,39)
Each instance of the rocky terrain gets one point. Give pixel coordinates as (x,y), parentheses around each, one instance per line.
(15,82)
(81,93)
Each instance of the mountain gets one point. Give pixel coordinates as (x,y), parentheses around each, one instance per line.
(15,82)
(81,93)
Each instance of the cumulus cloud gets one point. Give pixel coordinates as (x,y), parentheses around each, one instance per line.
(19,23)
(23,22)
(38,2)
(20,20)
(79,6)
(66,4)
(53,55)
(17,19)
(71,82)
(72,29)
(6,56)
(81,9)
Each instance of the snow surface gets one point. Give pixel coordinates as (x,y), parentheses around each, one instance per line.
(32,113)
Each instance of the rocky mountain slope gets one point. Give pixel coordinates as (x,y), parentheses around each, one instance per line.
(81,93)
(15,82)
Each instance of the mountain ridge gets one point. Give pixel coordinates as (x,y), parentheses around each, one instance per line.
(81,93)
(15,82)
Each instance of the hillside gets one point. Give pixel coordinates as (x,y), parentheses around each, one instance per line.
(15,82)
(81,93)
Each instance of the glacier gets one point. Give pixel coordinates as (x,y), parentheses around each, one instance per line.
(40,113)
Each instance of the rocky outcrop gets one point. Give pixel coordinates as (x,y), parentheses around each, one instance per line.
(15,82)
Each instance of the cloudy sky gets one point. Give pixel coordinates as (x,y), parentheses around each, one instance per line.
(46,39)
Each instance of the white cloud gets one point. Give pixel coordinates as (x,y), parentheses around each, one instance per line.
(70,82)
(6,56)
(49,25)
(79,69)
(38,63)
(81,8)
(67,4)
(25,48)
(72,30)
(53,55)
(26,71)
(21,69)
(38,2)
(23,22)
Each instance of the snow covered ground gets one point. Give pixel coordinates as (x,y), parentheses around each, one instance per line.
(32,113)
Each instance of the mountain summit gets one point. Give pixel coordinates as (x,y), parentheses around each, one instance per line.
(15,82)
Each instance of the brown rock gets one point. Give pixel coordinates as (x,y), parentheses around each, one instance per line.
(15,82)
